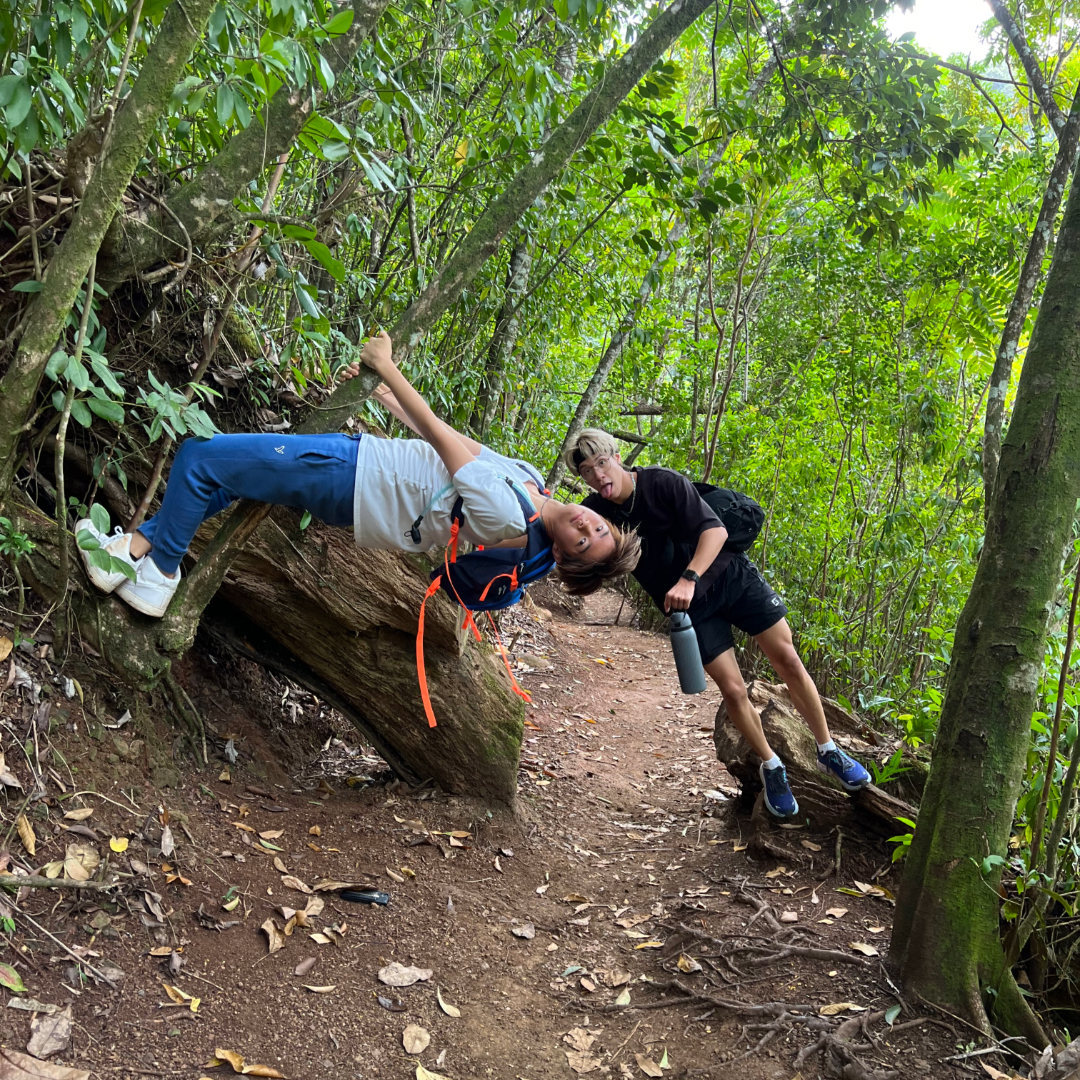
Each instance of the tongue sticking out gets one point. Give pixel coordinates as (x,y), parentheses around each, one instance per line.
(605,490)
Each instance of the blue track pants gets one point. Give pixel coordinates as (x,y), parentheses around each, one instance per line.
(308,472)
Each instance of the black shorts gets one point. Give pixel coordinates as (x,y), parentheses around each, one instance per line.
(739,597)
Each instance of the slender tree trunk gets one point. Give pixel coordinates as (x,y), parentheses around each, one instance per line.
(1030,276)
(946,933)
(1030,61)
(200,204)
(134,123)
(504,338)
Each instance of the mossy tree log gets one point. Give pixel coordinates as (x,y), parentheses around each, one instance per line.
(352,620)
(946,933)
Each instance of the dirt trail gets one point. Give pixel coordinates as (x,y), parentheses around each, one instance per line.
(628,828)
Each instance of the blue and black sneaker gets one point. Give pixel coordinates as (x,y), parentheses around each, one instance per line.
(846,769)
(778,798)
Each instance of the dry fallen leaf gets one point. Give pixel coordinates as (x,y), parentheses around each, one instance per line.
(421,1074)
(581,1061)
(415,1039)
(837,912)
(319,989)
(526,931)
(291,882)
(624,997)
(305,966)
(119,844)
(16,1066)
(450,1010)
(279,866)
(168,845)
(687,964)
(26,834)
(393,875)
(274,935)
(271,834)
(648,1066)
(810,845)
(314,831)
(789,916)
(231,1057)
(6,645)
(49,1034)
(579,1039)
(396,974)
(79,815)
(840,1007)
(862,947)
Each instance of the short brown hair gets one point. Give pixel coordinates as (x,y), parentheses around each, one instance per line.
(580,578)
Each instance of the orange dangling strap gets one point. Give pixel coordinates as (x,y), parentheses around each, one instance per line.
(455,528)
(469,621)
(523,694)
(433,588)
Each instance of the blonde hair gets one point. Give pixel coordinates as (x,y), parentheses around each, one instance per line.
(589,443)
(580,578)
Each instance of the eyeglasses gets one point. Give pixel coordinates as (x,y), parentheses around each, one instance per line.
(589,471)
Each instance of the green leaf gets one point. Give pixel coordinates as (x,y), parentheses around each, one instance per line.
(306,301)
(892,1013)
(10,978)
(85,539)
(77,375)
(340,23)
(100,517)
(223,104)
(19,106)
(80,413)
(334,267)
(298,232)
(28,286)
(107,410)
(305,520)
(57,364)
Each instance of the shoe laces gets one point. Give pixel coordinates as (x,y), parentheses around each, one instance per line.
(837,758)
(780,776)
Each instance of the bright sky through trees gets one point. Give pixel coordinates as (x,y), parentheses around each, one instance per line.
(944,26)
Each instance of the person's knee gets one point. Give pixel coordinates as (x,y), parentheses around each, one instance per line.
(733,688)
(786,661)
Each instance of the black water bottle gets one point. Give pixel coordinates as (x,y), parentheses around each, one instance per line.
(684,645)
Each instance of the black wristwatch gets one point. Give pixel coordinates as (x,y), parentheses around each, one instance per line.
(691,575)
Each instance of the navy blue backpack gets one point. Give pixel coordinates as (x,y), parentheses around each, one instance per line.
(488,579)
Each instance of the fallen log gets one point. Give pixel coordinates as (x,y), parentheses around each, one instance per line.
(341,621)
(821,800)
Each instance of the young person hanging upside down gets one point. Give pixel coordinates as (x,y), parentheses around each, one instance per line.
(393,493)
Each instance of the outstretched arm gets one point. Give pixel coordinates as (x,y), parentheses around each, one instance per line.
(451,447)
(386,397)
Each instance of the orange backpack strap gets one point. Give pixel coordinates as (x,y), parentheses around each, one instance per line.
(433,588)
(523,694)
(469,621)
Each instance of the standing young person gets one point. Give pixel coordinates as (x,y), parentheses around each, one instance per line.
(684,567)
(394,493)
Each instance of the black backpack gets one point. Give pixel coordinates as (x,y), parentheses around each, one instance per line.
(742,516)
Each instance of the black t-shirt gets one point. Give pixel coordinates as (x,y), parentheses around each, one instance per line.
(670,517)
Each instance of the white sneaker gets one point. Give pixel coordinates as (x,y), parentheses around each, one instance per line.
(151,590)
(118,546)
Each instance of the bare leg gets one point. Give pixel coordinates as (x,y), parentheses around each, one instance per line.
(139,545)
(725,672)
(776,644)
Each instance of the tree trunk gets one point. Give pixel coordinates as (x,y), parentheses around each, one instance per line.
(945,937)
(133,246)
(124,146)
(1043,93)
(504,338)
(294,594)
(1030,276)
